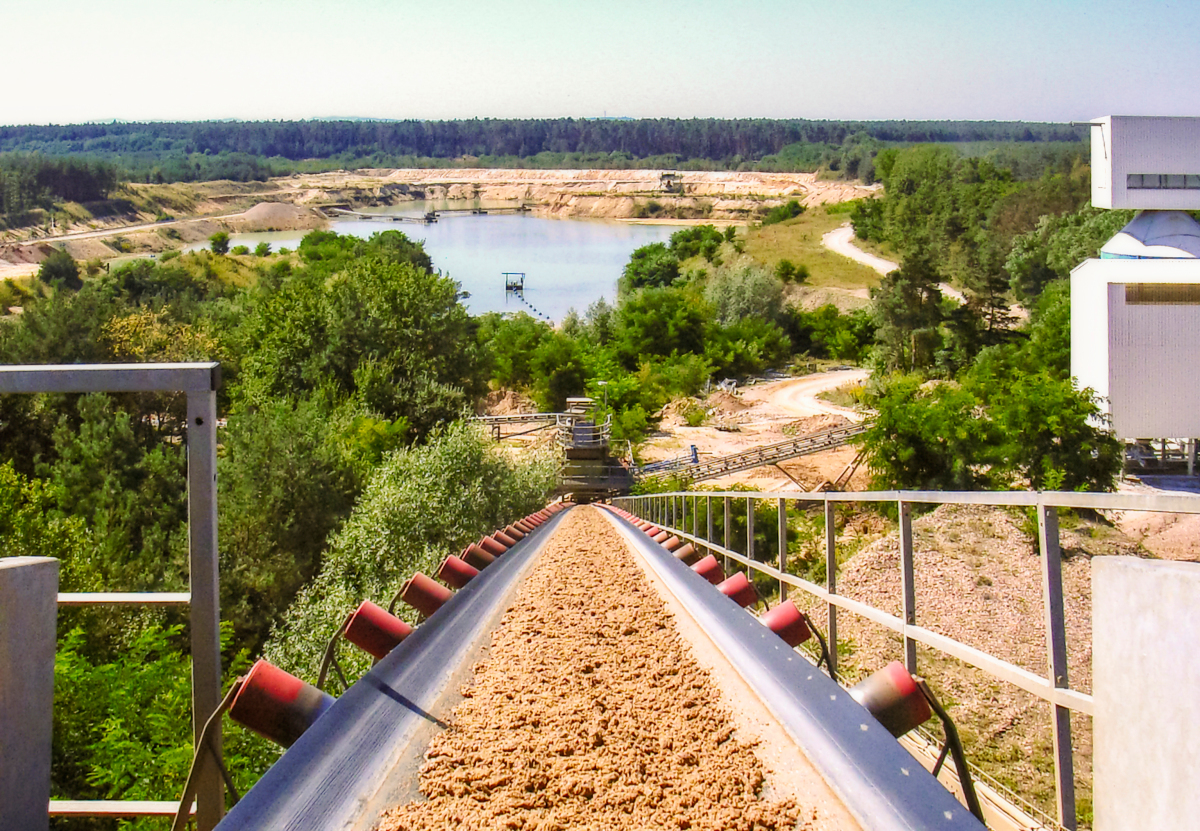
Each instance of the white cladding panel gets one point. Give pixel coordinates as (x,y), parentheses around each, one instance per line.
(1144,357)
(1089,330)
(1145,147)
(1154,363)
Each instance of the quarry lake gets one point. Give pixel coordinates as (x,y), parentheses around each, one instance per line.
(568,263)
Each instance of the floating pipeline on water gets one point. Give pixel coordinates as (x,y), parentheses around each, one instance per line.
(521,296)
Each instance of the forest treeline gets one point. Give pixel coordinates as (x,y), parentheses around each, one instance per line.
(243,151)
(29,181)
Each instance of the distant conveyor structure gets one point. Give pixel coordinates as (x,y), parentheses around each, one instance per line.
(765,454)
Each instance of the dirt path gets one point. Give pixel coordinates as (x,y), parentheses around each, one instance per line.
(841,241)
(590,712)
(798,398)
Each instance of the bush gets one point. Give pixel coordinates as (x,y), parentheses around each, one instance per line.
(422,504)
(219,242)
(239,250)
(262,249)
(60,271)
(747,292)
(782,213)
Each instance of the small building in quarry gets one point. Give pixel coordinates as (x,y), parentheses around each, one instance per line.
(1135,311)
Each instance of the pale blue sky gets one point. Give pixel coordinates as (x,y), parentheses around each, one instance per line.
(841,59)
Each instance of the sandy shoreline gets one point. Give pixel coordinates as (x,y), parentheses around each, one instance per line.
(306,201)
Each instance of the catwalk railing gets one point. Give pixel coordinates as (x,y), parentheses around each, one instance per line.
(199,381)
(671,511)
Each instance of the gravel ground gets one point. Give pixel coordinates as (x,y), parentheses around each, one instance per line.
(590,712)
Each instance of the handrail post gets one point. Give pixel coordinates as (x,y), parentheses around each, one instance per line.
(695,516)
(1056,649)
(750,527)
(682,512)
(728,511)
(907,583)
(709,517)
(205,606)
(782,547)
(831,585)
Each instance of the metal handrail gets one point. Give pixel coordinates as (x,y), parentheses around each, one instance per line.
(670,510)
(200,382)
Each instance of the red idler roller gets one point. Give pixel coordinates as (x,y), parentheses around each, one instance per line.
(525,526)
(456,572)
(424,595)
(491,546)
(476,557)
(687,554)
(672,542)
(787,621)
(661,536)
(375,631)
(739,589)
(514,532)
(651,530)
(710,569)
(504,538)
(277,705)
(893,697)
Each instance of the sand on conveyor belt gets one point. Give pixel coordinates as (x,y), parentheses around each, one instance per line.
(590,712)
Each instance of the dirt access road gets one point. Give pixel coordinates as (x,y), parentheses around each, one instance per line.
(841,241)
(763,414)
(798,398)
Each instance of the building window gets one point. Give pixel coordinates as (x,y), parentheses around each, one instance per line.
(1162,181)
(1162,294)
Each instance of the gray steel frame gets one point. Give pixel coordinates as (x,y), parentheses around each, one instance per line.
(199,381)
(1054,689)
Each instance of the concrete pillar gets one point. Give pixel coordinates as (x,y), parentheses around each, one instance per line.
(28,608)
(1146,682)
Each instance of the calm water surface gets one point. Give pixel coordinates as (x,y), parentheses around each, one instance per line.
(567,263)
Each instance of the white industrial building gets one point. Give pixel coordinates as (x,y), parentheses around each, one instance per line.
(1135,311)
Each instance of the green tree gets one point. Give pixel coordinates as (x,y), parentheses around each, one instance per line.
(263,249)
(60,270)
(219,242)
(651,265)
(559,372)
(906,309)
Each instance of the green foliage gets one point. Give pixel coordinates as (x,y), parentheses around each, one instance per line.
(60,270)
(421,504)
(511,343)
(559,372)
(929,439)
(747,292)
(658,322)
(906,309)
(263,249)
(787,271)
(651,265)
(697,241)
(782,213)
(122,727)
(1056,245)
(219,242)
(389,333)
(239,250)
